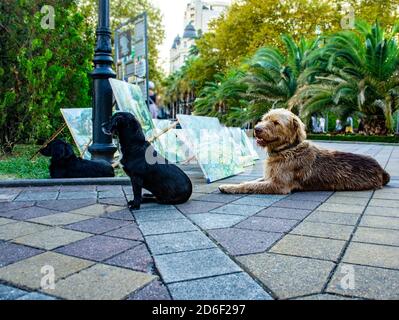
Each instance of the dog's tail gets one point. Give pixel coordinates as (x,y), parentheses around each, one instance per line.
(385,178)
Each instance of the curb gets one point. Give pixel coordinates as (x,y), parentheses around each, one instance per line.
(123,181)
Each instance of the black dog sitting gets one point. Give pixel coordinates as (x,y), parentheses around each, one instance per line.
(146,169)
(65,164)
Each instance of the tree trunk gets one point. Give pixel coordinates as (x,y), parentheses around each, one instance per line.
(375,126)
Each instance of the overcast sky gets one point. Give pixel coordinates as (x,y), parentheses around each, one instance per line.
(173,20)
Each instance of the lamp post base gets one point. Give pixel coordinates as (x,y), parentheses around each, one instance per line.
(103,151)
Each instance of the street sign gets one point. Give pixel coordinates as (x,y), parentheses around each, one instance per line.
(131,52)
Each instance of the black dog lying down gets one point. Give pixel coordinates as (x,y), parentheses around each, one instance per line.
(146,169)
(65,164)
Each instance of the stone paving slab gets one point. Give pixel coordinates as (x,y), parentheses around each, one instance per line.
(238,209)
(238,286)
(372,255)
(380,211)
(343,208)
(138,258)
(59,219)
(267,224)
(255,201)
(194,264)
(369,283)
(324,249)
(75,195)
(178,242)
(131,232)
(97,248)
(96,210)
(239,241)
(10,293)
(167,226)
(4,221)
(288,276)
(11,252)
(380,222)
(97,225)
(349,219)
(101,282)
(28,213)
(35,296)
(297,204)
(123,214)
(219,198)
(348,200)
(377,236)
(20,229)
(192,207)
(384,203)
(27,273)
(65,205)
(154,291)
(209,221)
(36,196)
(318,196)
(7,206)
(51,238)
(284,213)
(158,215)
(324,230)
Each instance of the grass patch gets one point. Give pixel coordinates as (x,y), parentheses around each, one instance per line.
(354,137)
(19,166)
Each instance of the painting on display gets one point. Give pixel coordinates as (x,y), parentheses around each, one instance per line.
(129,98)
(216,153)
(79,122)
(248,155)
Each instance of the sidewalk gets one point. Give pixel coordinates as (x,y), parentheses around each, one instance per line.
(313,245)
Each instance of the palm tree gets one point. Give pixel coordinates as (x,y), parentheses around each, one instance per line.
(273,75)
(355,73)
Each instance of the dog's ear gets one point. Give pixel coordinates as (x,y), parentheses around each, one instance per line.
(299,129)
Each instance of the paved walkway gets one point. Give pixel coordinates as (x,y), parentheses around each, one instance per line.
(314,245)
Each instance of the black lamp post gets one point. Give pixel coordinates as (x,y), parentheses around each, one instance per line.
(102,147)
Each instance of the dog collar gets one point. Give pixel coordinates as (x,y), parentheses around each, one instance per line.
(278,151)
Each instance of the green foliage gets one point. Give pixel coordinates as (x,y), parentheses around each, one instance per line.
(43,70)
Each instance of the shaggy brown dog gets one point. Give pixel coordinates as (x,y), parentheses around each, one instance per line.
(297,165)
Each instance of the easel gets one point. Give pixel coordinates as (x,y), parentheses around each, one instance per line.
(55,135)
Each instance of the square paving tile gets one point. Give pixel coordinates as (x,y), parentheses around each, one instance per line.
(51,238)
(29,213)
(111,194)
(194,264)
(101,282)
(267,224)
(343,208)
(288,276)
(37,195)
(123,214)
(385,203)
(10,293)
(377,236)
(284,213)
(380,222)
(97,225)
(65,205)
(119,201)
(325,249)
(153,291)
(8,196)
(158,215)
(237,286)
(324,230)
(382,211)
(177,242)
(131,232)
(369,282)
(59,219)
(388,194)
(215,220)
(239,241)
(354,194)
(256,201)
(349,219)
(137,258)
(20,229)
(165,226)
(5,207)
(238,209)
(98,248)
(198,206)
(154,206)
(96,210)
(372,255)
(28,273)
(11,252)
(36,296)
(348,200)
(297,204)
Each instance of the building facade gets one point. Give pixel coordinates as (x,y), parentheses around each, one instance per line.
(197,16)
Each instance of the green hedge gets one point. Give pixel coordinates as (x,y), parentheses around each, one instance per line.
(354,137)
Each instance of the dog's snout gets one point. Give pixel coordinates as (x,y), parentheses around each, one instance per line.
(258,129)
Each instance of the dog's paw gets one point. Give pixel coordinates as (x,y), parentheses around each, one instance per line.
(133,205)
(228,188)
